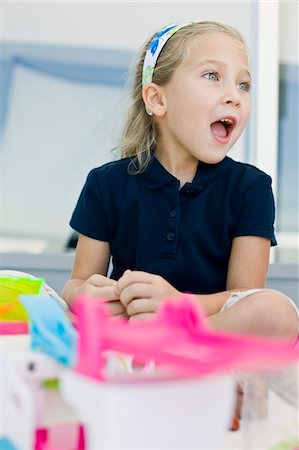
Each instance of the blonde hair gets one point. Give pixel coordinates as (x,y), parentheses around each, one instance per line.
(140,133)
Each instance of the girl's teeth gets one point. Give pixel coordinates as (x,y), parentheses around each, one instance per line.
(228,121)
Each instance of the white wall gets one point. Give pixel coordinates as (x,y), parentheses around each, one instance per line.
(110,24)
(288,25)
(90,23)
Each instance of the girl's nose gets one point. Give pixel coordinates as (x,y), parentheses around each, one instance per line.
(232,97)
(234,102)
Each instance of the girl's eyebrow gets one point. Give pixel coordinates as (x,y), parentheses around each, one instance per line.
(223,64)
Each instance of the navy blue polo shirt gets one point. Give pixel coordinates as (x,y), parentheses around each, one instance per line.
(184,235)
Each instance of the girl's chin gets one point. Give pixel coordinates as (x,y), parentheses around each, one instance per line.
(212,160)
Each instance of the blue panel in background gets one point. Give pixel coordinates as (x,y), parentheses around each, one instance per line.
(288,145)
(108,67)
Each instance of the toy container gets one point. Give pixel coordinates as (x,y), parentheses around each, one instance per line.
(270,410)
(152,414)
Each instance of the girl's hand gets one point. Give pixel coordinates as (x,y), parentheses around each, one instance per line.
(103,288)
(141,293)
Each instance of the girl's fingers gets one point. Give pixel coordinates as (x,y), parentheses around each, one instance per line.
(98,280)
(141,316)
(105,293)
(141,306)
(116,308)
(131,277)
(135,291)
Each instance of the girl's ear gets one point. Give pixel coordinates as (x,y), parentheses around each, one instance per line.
(154,99)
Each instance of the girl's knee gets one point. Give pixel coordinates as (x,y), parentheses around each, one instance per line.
(279,312)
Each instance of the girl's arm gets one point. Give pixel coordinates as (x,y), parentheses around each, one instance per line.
(248,262)
(141,293)
(247,269)
(89,274)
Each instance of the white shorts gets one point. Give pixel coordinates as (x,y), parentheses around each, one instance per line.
(235,297)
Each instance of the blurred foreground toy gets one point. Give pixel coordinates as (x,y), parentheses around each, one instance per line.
(33,413)
(177,338)
(13,315)
(37,416)
(186,402)
(174,406)
(270,410)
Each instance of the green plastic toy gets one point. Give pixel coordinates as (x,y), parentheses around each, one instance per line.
(11,309)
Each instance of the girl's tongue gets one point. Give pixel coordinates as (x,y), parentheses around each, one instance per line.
(219,129)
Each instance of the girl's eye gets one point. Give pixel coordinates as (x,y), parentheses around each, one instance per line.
(244,86)
(212,76)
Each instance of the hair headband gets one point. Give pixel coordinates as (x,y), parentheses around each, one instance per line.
(154,50)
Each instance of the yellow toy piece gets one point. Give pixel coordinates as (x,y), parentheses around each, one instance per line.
(11,309)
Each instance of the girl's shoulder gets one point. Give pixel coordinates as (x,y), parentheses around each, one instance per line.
(249,172)
(111,169)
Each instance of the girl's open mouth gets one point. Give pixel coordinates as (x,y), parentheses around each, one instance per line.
(222,129)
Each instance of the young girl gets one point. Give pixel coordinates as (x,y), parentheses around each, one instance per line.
(175,213)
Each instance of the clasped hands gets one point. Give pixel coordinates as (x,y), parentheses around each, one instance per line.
(136,295)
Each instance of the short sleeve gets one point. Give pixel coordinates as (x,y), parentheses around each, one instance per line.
(89,217)
(257,212)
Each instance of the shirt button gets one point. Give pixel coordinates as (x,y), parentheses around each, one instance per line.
(190,192)
(173,213)
(170,236)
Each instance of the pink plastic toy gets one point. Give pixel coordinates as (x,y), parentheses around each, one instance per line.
(68,437)
(177,339)
(11,327)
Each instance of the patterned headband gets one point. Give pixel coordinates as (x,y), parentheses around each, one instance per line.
(154,50)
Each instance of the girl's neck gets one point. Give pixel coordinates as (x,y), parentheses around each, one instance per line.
(184,169)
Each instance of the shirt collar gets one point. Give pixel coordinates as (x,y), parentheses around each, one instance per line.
(206,173)
(156,175)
